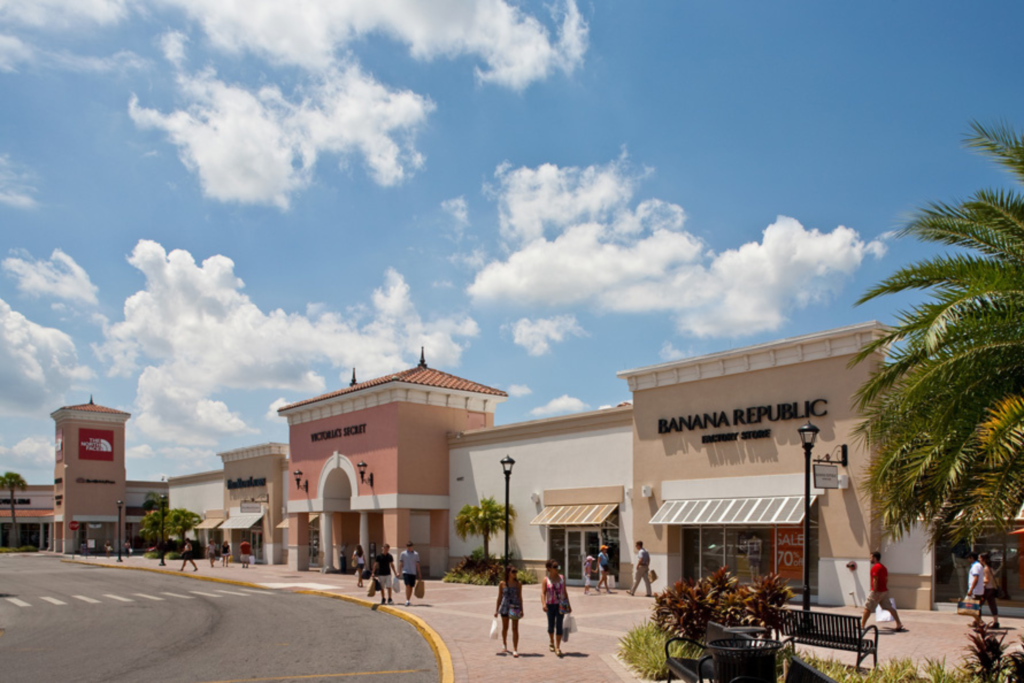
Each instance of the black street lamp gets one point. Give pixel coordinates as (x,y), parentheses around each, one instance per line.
(163,504)
(808,435)
(506,466)
(119,504)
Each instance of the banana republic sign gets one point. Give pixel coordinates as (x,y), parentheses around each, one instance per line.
(745,416)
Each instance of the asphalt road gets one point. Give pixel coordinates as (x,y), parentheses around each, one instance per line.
(67,622)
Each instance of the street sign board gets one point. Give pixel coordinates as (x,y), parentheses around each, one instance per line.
(826,476)
(73,526)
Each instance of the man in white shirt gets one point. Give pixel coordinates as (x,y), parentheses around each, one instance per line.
(976,587)
(409,561)
(643,566)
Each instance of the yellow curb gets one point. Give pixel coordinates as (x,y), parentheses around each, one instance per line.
(169,572)
(445,668)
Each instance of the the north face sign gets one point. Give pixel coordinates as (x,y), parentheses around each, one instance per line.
(95,444)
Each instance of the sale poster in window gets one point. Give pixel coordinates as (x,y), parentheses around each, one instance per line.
(789,551)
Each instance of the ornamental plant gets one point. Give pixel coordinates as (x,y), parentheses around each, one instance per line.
(686,607)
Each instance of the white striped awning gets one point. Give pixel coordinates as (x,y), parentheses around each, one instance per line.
(242,521)
(781,510)
(574,515)
(211,523)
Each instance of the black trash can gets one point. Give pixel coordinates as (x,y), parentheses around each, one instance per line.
(744,657)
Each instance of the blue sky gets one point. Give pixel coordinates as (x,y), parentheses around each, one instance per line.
(208,210)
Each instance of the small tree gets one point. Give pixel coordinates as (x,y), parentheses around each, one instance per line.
(181,521)
(485,519)
(12,481)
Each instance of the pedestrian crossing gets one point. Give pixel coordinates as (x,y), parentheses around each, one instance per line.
(109,598)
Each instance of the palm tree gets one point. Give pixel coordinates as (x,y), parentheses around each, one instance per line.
(181,521)
(12,481)
(154,524)
(485,519)
(945,411)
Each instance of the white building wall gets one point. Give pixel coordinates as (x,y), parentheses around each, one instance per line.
(586,459)
(197,497)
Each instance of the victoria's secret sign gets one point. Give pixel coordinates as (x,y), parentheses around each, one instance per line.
(745,416)
(338,433)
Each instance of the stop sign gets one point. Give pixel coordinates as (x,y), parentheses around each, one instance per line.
(73,526)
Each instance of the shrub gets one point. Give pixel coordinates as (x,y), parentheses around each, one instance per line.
(642,649)
(686,607)
(480,572)
(22,549)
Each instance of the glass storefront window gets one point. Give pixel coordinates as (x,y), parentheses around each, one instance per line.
(952,563)
(712,551)
(750,552)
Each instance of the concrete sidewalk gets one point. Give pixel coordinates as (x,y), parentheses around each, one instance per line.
(462,616)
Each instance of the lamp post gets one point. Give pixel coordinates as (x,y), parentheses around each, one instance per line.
(119,504)
(808,435)
(506,466)
(163,503)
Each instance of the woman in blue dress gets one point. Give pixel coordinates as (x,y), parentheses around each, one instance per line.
(510,608)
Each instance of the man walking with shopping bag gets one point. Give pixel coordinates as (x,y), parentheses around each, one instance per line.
(643,566)
(879,594)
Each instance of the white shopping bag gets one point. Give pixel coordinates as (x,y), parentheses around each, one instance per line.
(396,583)
(882,615)
(568,626)
(495,629)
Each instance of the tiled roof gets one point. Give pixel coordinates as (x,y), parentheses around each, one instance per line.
(6,512)
(421,375)
(91,407)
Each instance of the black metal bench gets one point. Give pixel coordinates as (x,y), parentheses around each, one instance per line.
(799,672)
(835,631)
(702,668)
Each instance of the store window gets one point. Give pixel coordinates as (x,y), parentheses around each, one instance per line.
(952,564)
(570,545)
(751,551)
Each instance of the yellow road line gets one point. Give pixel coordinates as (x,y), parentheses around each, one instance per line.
(296,678)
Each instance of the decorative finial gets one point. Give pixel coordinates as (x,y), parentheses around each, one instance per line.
(353,383)
(423,360)
(90,400)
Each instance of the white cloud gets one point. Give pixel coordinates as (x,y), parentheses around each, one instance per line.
(15,189)
(515,48)
(37,365)
(141,451)
(30,451)
(573,238)
(519,390)
(271,414)
(60,277)
(562,405)
(172,44)
(536,335)
(63,14)
(13,52)
(196,334)
(260,148)
(459,210)
(669,352)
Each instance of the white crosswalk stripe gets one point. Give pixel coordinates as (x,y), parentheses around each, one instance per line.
(19,603)
(86,599)
(54,601)
(244,595)
(252,592)
(209,595)
(176,595)
(148,597)
(117,597)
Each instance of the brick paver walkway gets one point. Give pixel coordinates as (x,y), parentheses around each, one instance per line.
(462,616)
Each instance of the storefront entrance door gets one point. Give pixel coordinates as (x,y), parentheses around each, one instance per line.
(570,546)
(257,545)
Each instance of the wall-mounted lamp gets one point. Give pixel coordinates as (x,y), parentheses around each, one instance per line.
(299,484)
(535,497)
(363,477)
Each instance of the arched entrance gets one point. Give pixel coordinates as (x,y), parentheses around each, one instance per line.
(336,486)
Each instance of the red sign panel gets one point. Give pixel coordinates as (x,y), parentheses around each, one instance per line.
(73,526)
(95,444)
(789,551)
